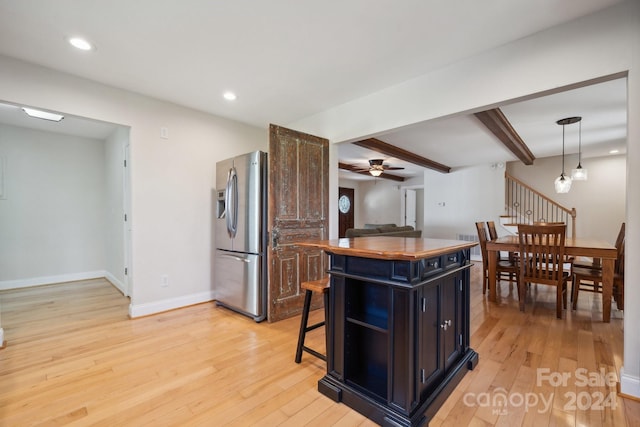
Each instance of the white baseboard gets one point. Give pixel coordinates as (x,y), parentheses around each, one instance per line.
(629,385)
(2,338)
(117,283)
(139,310)
(48,280)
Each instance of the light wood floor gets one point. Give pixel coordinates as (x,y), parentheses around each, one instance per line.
(74,358)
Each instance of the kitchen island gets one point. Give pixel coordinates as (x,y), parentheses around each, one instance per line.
(398,325)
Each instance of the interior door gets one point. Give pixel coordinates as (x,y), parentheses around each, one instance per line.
(298,210)
(345,210)
(410,208)
(127,219)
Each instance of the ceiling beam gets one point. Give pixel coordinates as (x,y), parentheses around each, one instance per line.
(399,153)
(356,169)
(498,125)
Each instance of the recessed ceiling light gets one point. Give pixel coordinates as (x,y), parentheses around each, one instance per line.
(80,43)
(229,96)
(39,114)
(614,151)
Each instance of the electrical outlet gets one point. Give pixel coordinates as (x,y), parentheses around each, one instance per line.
(164,133)
(164,281)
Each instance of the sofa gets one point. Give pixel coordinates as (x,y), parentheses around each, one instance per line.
(374,230)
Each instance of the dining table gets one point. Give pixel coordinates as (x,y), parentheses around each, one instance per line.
(575,247)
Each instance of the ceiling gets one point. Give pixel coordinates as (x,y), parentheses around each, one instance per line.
(288,59)
(464,141)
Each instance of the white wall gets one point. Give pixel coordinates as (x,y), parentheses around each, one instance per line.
(53,214)
(454,202)
(600,201)
(171,179)
(606,43)
(380,201)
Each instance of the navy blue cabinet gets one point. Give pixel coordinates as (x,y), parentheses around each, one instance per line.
(398,335)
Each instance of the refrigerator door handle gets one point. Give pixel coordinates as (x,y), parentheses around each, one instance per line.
(231,202)
(237,258)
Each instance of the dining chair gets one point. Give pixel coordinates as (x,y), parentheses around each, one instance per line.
(587,262)
(493,234)
(568,260)
(542,255)
(593,277)
(505,269)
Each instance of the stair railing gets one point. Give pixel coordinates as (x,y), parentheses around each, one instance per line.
(526,206)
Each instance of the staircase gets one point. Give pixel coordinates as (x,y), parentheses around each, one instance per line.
(524,205)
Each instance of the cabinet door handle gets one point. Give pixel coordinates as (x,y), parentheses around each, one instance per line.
(446,324)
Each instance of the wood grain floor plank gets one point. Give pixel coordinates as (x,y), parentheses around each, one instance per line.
(75,358)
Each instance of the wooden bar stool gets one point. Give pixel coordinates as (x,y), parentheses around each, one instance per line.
(319,286)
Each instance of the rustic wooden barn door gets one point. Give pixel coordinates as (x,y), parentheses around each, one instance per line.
(298,210)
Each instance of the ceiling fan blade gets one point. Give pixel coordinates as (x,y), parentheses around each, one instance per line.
(392,168)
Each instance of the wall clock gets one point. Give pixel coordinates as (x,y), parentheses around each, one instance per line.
(344,204)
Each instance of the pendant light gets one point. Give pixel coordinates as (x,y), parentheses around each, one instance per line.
(563,183)
(579,173)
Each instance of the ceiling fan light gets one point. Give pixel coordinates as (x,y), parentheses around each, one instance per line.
(563,184)
(375,172)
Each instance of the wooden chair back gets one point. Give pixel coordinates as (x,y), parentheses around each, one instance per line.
(493,234)
(542,257)
(482,240)
(542,253)
(620,238)
(619,266)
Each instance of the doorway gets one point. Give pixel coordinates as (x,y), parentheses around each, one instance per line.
(412,207)
(346,210)
(65,187)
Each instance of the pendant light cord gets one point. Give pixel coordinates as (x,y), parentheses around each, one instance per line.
(562,151)
(579,144)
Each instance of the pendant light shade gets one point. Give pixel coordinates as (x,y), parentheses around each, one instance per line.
(579,173)
(563,182)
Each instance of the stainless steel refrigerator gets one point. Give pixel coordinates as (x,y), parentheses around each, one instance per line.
(240,267)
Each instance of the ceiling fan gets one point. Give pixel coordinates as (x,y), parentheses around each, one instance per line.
(377,167)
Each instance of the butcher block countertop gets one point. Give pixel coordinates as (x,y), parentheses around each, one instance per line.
(389,247)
